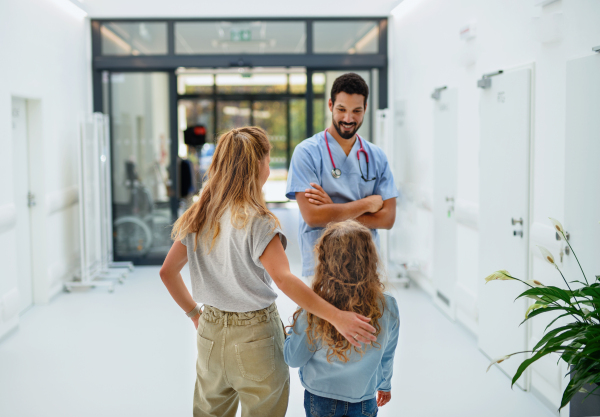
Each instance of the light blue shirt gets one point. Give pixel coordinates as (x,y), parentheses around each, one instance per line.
(357,380)
(311,163)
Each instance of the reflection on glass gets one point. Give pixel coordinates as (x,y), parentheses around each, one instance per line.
(297,122)
(240,38)
(251,83)
(142,38)
(140,165)
(272,117)
(349,37)
(318,80)
(298,83)
(232,114)
(195,84)
(198,112)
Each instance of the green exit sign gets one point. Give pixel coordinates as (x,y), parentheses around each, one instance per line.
(241,35)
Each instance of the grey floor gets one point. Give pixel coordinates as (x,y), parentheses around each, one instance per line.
(132,353)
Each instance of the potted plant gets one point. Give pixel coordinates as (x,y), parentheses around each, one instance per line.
(578,342)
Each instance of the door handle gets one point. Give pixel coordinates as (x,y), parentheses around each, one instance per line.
(518,233)
(515,221)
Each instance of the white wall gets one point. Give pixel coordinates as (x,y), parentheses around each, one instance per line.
(44,51)
(426,52)
(237,8)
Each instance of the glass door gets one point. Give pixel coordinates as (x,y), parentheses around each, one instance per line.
(141,159)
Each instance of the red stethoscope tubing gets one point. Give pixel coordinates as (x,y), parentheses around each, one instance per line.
(361,149)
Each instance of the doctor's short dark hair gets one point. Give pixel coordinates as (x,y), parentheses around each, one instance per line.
(349,83)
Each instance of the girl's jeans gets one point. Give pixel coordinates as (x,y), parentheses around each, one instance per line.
(316,406)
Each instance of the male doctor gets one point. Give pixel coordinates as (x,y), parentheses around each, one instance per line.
(337,175)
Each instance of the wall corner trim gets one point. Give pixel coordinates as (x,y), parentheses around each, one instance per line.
(62,199)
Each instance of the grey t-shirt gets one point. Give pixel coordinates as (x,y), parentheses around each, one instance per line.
(231,277)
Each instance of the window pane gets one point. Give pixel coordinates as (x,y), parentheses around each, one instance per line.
(140,165)
(355,37)
(144,38)
(232,114)
(237,83)
(240,38)
(195,84)
(297,83)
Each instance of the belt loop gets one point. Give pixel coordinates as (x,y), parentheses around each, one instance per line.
(226,315)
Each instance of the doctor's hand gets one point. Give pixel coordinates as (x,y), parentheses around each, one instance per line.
(317,195)
(375,203)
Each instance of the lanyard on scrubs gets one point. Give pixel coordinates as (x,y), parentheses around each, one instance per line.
(336,172)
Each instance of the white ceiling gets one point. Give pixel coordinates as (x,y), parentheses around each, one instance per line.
(236,8)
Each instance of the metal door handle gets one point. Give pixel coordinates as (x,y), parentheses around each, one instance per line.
(515,221)
(518,233)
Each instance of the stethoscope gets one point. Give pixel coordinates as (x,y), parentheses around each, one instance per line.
(336,172)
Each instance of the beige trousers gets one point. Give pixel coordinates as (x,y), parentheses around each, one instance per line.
(240,359)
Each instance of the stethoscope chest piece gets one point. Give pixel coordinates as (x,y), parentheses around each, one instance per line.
(336,173)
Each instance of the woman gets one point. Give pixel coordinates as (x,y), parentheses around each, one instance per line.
(235,246)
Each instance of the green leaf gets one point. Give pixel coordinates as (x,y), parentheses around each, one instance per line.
(525,364)
(562,315)
(559,293)
(548,309)
(554,333)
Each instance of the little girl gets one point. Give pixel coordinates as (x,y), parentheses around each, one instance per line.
(341,379)
(235,246)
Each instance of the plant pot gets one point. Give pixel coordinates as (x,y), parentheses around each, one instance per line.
(590,407)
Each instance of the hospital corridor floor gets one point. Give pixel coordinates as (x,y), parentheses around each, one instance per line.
(132,353)
(91,353)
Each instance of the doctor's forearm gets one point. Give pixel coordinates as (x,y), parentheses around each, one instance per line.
(383,219)
(320,216)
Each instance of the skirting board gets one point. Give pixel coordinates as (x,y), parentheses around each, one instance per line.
(422,281)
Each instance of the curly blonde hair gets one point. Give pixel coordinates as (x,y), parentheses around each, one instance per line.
(347,276)
(232,182)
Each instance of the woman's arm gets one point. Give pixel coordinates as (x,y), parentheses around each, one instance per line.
(352,326)
(170,273)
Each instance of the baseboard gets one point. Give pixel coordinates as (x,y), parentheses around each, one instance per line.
(422,281)
(467,322)
(540,391)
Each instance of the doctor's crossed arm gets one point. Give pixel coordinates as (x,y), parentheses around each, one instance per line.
(318,209)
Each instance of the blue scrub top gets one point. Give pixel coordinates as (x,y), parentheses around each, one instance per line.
(311,163)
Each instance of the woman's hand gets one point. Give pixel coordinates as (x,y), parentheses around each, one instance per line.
(355,328)
(317,195)
(195,319)
(383,398)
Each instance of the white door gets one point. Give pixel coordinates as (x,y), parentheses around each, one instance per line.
(505,126)
(445,123)
(22,200)
(582,176)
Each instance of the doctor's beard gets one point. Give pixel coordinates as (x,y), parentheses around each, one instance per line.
(346,135)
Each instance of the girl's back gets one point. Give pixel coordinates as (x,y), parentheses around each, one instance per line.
(242,284)
(359,378)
